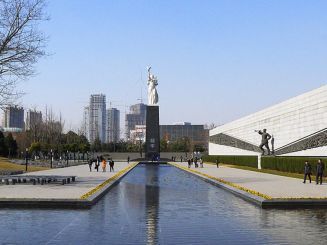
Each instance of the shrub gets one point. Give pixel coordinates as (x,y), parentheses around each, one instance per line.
(250,161)
(290,164)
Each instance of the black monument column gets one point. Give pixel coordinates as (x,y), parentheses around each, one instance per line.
(152,132)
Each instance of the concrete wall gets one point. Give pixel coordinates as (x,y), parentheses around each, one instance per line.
(215,149)
(288,121)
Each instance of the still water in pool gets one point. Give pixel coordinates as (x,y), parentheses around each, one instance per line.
(160,204)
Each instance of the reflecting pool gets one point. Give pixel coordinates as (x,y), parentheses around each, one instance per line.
(164,205)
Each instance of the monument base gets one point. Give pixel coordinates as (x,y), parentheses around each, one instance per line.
(152,149)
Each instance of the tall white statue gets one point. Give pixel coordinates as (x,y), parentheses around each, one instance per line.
(152,90)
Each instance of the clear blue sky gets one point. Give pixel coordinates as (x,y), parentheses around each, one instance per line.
(216,60)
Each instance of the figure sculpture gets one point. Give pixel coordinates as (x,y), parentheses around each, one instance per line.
(265,137)
(152,90)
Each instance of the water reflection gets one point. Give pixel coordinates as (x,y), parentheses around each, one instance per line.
(152,203)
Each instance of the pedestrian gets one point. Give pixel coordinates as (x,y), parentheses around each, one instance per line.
(320,171)
(91,163)
(181,158)
(104,165)
(217,163)
(307,171)
(111,164)
(128,160)
(196,162)
(189,163)
(201,162)
(97,164)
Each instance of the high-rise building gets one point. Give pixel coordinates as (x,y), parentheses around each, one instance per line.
(13,117)
(86,122)
(137,116)
(33,119)
(97,117)
(113,125)
(198,134)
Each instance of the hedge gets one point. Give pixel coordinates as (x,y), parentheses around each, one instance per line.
(284,164)
(250,161)
(290,164)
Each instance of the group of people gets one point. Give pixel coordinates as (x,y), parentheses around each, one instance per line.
(319,171)
(195,161)
(101,160)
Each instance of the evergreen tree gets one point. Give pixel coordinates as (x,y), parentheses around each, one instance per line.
(11,145)
(3,146)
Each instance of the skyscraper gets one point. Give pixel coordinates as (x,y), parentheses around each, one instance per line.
(33,119)
(113,125)
(137,116)
(86,122)
(97,117)
(13,117)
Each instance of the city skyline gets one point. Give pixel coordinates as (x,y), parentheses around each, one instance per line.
(210,57)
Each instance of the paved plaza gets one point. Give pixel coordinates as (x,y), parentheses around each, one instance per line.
(85,182)
(271,185)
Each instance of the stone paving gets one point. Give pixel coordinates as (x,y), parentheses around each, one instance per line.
(272,185)
(85,181)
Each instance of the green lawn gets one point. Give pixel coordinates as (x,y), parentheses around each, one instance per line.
(5,164)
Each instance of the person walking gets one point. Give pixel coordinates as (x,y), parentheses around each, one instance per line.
(217,163)
(128,160)
(97,164)
(320,171)
(307,171)
(201,162)
(104,165)
(91,163)
(189,163)
(111,164)
(196,162)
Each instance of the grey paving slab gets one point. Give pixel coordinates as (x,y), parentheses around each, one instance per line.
(85,182)
(272,185)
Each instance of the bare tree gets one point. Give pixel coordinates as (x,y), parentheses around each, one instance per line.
(210,126)
(21,43)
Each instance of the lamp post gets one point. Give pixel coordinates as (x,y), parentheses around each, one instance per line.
(141,148)
(26,159)
(51,158)
(139,139)
(67,158)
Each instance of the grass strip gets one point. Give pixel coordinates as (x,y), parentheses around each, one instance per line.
(6,165)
